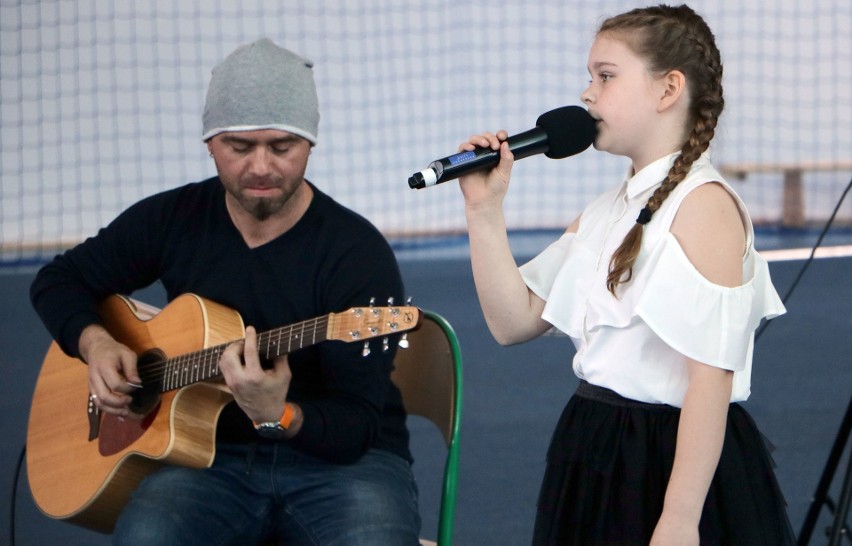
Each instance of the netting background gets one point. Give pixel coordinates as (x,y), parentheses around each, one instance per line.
(101,101)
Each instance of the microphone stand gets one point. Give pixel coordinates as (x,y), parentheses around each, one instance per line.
(839,528)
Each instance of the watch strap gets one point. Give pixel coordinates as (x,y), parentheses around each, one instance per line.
(285,420)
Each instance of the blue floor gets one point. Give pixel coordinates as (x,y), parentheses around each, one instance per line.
(802,382)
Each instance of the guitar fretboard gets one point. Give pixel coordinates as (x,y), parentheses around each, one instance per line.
(180,371)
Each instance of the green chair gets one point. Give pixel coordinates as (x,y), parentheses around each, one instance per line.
(429,375)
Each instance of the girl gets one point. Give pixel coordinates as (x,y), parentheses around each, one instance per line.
(660,289)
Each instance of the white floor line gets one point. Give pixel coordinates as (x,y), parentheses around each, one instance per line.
(842,251)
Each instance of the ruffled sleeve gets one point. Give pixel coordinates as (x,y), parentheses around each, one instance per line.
(707,322)
(561,275)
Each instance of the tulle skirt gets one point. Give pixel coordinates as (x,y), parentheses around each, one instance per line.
(609,463)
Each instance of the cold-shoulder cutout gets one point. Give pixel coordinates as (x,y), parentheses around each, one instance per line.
(711,232)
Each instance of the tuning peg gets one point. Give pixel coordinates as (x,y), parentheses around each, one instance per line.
(403,341)
(390,301)
(408,300)
(385,345)
(365,351)
(374,311)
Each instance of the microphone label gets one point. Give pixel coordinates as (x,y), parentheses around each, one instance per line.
(461,158)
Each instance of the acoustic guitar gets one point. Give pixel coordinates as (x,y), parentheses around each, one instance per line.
(83,465)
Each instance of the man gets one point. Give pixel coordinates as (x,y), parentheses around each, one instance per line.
(315,449)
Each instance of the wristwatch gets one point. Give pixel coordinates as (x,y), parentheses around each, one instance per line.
(276,430)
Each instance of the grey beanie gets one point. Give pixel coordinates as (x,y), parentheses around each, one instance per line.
(262,86)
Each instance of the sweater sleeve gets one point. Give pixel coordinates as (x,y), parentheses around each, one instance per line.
(66,291)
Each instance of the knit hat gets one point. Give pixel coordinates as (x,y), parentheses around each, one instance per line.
(262,86)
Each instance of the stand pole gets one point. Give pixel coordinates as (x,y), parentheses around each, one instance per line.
(842,510)
(821,495)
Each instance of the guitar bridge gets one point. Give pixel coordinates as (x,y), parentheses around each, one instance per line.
(94,418)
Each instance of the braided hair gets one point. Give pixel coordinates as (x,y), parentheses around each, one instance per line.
(670,38)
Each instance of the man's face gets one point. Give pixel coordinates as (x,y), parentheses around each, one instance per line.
(260,170)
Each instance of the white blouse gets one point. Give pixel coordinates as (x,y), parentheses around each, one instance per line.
(635,345)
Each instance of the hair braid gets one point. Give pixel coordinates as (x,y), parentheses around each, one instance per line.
(670,38)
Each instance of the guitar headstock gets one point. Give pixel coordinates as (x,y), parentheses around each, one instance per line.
(365,323)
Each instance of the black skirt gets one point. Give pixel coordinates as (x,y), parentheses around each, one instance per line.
(609,463)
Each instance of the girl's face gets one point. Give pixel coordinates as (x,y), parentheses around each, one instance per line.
(623,97)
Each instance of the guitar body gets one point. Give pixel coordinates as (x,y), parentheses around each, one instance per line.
(88,481)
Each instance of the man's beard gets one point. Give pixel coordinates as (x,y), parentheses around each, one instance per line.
(262,207)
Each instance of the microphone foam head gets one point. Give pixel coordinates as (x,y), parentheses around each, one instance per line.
(569,129)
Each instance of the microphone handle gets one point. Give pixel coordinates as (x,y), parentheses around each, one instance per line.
(522,145)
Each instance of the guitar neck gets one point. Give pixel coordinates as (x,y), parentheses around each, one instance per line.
(180,371)
(355,324)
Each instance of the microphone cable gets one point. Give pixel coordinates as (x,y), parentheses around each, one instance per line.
(14,496)
(809,260)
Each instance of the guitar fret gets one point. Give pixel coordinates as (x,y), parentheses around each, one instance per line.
(195,375)
(187,370)
(278,342)
(173,370)
(263,344)
(190,370)
(182,372)
(174,379)
(288,331)
(213,364)
(182,379)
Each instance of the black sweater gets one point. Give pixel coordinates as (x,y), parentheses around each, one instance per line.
(331,260)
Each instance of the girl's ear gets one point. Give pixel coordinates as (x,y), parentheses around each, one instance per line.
(673,86)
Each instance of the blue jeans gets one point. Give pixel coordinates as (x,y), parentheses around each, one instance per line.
(256,493)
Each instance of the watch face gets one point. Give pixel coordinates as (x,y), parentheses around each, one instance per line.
(273,431)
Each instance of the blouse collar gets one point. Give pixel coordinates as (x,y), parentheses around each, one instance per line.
(650,176)
(653,174)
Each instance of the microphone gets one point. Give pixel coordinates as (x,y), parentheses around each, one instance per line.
(558,133)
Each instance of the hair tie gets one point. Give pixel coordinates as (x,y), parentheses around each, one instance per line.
(644,216)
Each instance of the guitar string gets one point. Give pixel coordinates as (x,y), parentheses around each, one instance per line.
(192,372)
(204,363)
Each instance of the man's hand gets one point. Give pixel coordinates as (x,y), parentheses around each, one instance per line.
(112,370)
(260,393)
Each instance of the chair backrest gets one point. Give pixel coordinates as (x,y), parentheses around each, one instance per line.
(429,375)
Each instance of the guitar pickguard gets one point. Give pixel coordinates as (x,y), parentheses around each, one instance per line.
(118,433)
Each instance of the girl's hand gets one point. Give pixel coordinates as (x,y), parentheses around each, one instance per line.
(674,531)
(486,188)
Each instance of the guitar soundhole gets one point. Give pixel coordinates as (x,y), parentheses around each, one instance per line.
(147,398)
